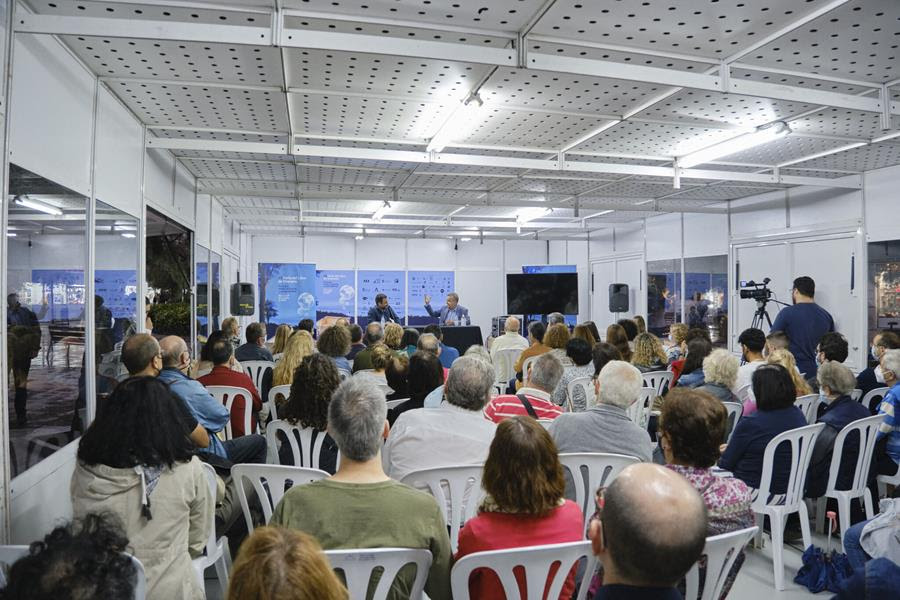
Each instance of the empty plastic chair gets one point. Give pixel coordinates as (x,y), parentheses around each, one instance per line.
(590,470)
(735,412)
(217,551)
(269,482)
(305,446)
(658,380)
(456,488)
(809,406)
(358,565)
(226,395)
(720,551)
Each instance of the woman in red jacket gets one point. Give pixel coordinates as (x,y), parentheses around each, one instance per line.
(524,482)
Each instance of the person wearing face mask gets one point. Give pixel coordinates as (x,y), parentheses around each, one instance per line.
(804,323)
(832,347)
(752,342)
(872,378)
(887,444)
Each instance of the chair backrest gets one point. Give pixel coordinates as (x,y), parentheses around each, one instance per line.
(358,565)
(8,556)
(256,370)
(802,441)
(856,394)
(876,394)
(526,364)
(140,586)
(868,430)
(504,363)
(535,561)
(639,411)
(270,482)
(545,423)
(735,412)
(226,395)
(590,470)
(720,551)
(658,380)
(745,392)
(809,406)
(284,391)
(306,450)
(587,386)
(396,403)
(213,483)
(456,489)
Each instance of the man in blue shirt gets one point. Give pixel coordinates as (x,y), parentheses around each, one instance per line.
(804,323)
(448,353)
(888,461)
(208,411)
(383,312)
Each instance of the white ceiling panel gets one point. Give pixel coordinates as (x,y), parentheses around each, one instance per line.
(658,139)
(866,158)
(786,149)
(240,170)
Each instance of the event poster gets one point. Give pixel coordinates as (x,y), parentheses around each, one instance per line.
(64,291)
(118,288)
(436,284)
(335,293)
(371,283)
(286,293)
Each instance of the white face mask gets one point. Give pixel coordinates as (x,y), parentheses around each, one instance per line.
(874,352)
(879,376)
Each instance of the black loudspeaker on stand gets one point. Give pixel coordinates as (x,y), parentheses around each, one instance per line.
(243,300)
(618,297)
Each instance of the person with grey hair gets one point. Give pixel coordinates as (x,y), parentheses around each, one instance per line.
(452,313)
(554,318)
(479,352)
(535,398)
(887,461)
(428,342)
(605,426)
(835,384)
(374,335)
(453,433)
(360,506)
(511,338)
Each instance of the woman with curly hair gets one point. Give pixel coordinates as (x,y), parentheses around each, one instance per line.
(299,346)
(720,371)
(616,336)
(677,333)
(393,336)
(648,353)
(335,342)
(315,380)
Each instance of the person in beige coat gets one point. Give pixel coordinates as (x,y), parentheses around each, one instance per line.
(136,461)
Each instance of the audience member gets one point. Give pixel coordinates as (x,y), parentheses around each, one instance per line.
(381,356)
(315,380)
(307,325)
(150,479)
(525,505)
(692,371)
(648,353)
(775,394)
(374,335)
(835,384)
(605,425)
(536,331)
(255,348)
(205,364)
(804,323)
(85,559)
(479,351)
(299,346)
(409,340)
(556,338)
(786,360)
(630,327)
(554,318)
(222,354)
(282,334)
(282,564)
(356,345)
(871,377)
(616,336)
(649,530)
(752,342)
(334,342)
(831,347)
(887,461)
(692,426)
(456,431)
(677,333)
(232,329)
(593,329)
(534,398)
(448,353)
(579,352)
(776,340)
(393,335)
(425,375)
(641,324)
(510,340)
(208,411)
(583,333)
(720,370)
(360,506)
(602,354)
(396,375)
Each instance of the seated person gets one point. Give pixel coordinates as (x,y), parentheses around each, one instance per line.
(360,506)
(752,342)
(720,370)
(425,375)
(522,457)
(692,426)
(299,346)
(448,353)
(307,325)
(677,333)
(255,348)
(334,342)
(456,432)
(393,337)
(784,358)
(396,374)
(886,463)
(696,351)
(648,353)
(743,456)
(222,356)
(206,363)
(409,340)
(556,338)
(356,344)
(307,407)
(833,347)
(374,335)
(616,336)
(510,340)
(276,344)
(536,331)
(630,327)
(579,352)
(535,396)
(777,340)
(871,378)
(428,342)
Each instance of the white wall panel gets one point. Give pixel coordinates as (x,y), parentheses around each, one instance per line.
(435,254)
(705,234)
(630,239)
(216,226)
(881,204)
(330,252)
(159,181)
(759,214)
(40,497)
(51,113)
(664,237)
(119,151)
(285,249)
(557,252)
(201,224)
(525,252)
(474,254)
(577,254)
(816,205)
(184,195)
(482,292)
(381,253)
(601,244)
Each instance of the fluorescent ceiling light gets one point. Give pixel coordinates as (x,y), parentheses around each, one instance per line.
(735,145)
(379,214)
(530,214)
(10,234)
(37,205)
(359,237)
(465,239)
(458,125)
(127,235)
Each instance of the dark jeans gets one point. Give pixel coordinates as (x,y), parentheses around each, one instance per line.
(855,554)
(246,449)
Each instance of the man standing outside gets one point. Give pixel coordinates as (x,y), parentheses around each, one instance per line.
(383,312)
(24,339)
(451,313)
(804,323)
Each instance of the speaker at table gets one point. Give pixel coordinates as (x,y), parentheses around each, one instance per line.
(618,297)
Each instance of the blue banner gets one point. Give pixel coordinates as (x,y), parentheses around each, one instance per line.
(287,292)
(64,291)
(372,283)
(335,293)
(436,284)
(118,288)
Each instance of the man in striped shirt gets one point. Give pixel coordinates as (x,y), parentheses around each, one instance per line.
(887,463)
(534,398)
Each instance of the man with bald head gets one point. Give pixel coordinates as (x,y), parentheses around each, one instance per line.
(511,338)
(649,530)
(208,411)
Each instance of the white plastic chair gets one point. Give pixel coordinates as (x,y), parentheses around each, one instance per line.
(527,365)
(457,489)
(720,551)
(545,423)
(536,562)
(283,390)
(256,370)
(867,429)
(504,364)
(876,393)
(658,380)
(217,551)
(357,566)
(735,412)
(590,470)
(226,395)
(884,480)
(856,394)
(306,452)
(639,411)
(744,393)
(273,478)
(396,403)
(587,386)
(809,406)
(801,441)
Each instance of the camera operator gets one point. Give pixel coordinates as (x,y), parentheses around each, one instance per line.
(804,323)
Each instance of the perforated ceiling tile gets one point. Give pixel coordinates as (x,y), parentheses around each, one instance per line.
(533,130)
(216,169)
(866,158)
(558,47)
(207,107)
(237,14)
(704,107)
(785,149)
(366,117)
(840,121)
(633,189)
(349,176)
(450,181)
(455,169)
(553,186)
(856,40)
(658,139)
(192,134)
(705,27)
(721,192)
(251,187)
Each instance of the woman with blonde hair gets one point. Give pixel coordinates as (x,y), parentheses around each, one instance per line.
(282,334)
(648,353)
(556,338)
(677,335)
(616,337)
(283,564)
(641,324)
(720,371)
(784,358)
(232,330)
(393,334)
(299,346)
(583,332)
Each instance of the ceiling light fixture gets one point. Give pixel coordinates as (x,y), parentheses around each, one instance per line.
(458,124)
(379,214)
(530,214)
(127,235)
(10,234)
(465,239)
(762,135)
(37,205)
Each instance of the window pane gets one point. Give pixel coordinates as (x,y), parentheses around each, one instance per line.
(706,295)
(884,286)
(663,295)
(215,297)
(168,277)
(201,260)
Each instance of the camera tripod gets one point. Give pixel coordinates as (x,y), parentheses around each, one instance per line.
(760,316)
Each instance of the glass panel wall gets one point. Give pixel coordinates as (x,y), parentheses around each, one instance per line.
(201,263)
(663,295)
(215,296)
(706,295)
(883,283)
(168,277)
(45,316)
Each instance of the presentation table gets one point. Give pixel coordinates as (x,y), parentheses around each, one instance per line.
(460,337)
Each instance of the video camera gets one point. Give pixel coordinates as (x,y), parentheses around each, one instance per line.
(757,291)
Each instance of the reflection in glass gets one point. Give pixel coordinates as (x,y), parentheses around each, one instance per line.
(884,286)
(706,295)
(663,295)
(168,277)
(44,315)
(201,258)
(215,298)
